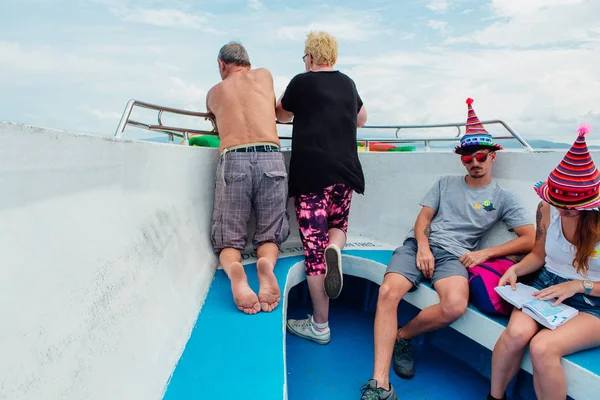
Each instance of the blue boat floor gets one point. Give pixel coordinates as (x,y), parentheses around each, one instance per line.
(230,354)
(338,370)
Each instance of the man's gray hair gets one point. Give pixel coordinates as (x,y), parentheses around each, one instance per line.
(234,53)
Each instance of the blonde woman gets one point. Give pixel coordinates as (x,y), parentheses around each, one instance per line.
(324,171)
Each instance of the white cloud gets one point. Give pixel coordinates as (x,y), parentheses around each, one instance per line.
(47,60)
(279,84)
(349,25)
(168,18)
(340,29)
(103,83)
(519,68)
(101,114)
(516,86)
(166,67)
(437,25)
(176,89)
(512,8)
(255,4)
(438,6)
(539,22)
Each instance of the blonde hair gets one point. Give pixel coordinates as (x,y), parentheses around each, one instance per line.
(322,47)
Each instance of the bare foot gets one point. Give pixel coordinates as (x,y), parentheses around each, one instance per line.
(243,296)
(268,294)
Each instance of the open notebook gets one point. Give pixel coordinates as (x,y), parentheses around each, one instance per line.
(541,310)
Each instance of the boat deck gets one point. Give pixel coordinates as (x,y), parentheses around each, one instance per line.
(338,370)
(237,355)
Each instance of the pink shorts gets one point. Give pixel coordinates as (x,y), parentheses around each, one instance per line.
(317,213)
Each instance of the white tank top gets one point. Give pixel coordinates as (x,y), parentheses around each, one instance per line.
(560,253)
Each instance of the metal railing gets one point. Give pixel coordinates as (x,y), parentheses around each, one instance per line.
(184,133)
(172,131)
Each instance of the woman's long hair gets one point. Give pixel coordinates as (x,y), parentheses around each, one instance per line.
(587,237)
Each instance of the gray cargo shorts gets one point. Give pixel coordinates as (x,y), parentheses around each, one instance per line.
(404,262)
(246,182)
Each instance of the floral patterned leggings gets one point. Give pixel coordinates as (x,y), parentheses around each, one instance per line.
(317,213)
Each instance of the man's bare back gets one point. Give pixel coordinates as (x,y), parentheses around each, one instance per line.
(244,108)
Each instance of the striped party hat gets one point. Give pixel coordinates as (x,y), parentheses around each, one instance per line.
(575,182)
(475,137)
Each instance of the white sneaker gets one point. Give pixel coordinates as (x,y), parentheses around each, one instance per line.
(334,278)
(304,328)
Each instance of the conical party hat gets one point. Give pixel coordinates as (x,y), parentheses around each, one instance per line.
(475,136)
(575,182)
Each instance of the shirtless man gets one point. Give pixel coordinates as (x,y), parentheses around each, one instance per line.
(251,176)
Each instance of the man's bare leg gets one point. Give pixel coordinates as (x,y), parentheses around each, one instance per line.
(269,294)
(454,298)
(243,296)
(392,290)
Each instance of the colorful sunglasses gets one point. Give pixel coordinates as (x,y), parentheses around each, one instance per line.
(480,157)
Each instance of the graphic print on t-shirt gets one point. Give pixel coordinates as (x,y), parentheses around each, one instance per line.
(488,206)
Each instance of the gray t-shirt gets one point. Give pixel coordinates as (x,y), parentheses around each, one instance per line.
(464,214)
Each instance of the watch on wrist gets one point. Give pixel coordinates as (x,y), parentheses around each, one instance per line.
(588,286)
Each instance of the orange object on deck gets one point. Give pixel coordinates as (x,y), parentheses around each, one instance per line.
(379,146)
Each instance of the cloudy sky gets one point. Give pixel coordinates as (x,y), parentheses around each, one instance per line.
(74,64)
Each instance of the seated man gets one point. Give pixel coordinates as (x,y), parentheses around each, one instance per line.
(251,176)
(456,213)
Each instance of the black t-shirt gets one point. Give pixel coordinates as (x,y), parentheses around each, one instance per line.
(325,106)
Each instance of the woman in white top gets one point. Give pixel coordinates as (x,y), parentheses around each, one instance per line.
(566,256)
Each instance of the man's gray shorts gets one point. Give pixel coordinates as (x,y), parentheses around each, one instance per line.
(246,182)
(404,262)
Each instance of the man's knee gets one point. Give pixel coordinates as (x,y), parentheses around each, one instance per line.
(453,307)
(393,288)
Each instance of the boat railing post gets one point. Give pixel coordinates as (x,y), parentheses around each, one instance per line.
(186,141)
(427,145)
(125,118)
(459,131)
(517,136)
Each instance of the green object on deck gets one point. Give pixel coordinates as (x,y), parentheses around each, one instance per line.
(403,148)
(205,141)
